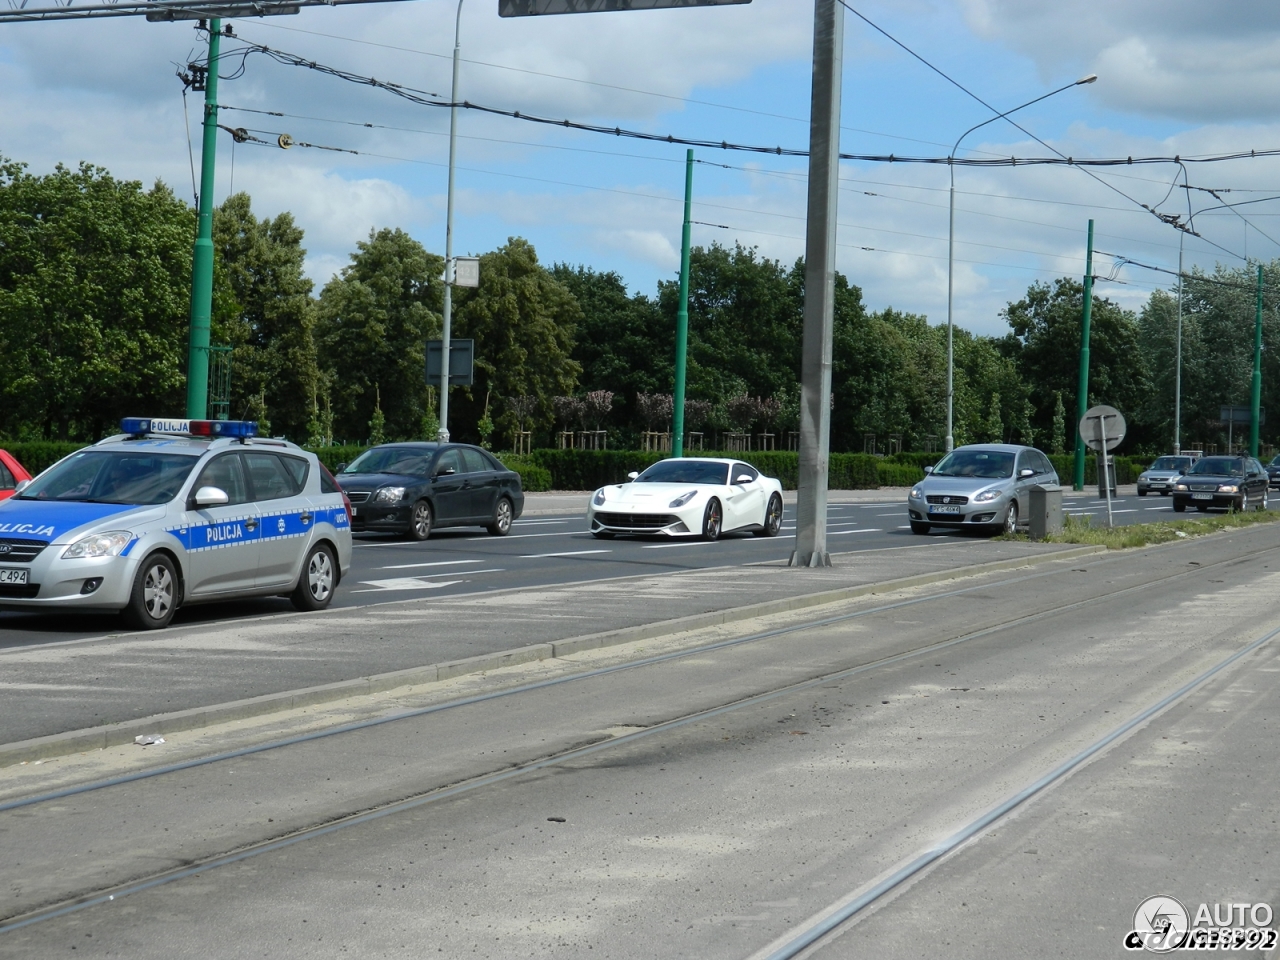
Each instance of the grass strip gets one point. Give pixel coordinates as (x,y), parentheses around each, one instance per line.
(1081,530)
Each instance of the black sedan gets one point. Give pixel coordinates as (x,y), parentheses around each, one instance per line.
(414,488)
(1232,482)
(1273,472)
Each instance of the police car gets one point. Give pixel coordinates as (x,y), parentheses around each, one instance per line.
(173,512)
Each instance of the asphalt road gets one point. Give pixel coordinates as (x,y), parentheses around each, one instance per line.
(731,796)
(557,550)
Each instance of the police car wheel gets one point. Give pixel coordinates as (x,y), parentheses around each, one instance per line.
(319,577)
(503,514)
(420,521)
(155,594)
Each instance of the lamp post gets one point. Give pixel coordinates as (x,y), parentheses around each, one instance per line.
(447,313)
(951,242)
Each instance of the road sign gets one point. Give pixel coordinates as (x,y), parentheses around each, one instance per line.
(461,362)
(466,271)
(1102,424)
(1241,415)
(535,8)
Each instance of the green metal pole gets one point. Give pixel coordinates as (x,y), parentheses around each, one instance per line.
(1082,389)
(1256,398)
(202,255)
(682,317)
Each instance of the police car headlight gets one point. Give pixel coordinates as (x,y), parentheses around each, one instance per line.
(99,545)
(389,495)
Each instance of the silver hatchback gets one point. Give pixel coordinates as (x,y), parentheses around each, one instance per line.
(980,485)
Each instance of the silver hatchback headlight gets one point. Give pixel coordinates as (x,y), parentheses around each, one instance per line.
(986,496)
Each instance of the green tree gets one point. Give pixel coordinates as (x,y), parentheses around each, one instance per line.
(523,322)
(269,319)
(1044,343)
(1058,439)
(94,294)
(372,325)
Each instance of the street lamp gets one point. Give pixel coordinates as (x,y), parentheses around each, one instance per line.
(951,241)
(447,314)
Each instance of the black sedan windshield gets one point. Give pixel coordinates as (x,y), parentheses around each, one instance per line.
(1218,467)
(113,476)
(985,464)
(410,461)
(685,471)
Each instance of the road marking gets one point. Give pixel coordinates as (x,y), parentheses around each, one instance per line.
(437,563)
(685,543)
(567,553)
(524,522)
(841,533)
(404,583)
(526,536)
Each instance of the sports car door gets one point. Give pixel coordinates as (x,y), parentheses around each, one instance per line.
(744,500)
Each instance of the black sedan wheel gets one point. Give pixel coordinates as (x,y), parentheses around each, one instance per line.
(503,514)
(421,521)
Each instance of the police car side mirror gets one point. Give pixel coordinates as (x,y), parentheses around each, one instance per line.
(211,497)
(22,485)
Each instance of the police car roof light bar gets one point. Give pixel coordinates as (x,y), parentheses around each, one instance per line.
(141,426)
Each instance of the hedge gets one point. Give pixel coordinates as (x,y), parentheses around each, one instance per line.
(37,455)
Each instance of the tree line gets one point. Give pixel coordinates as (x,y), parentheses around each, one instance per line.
(94,288)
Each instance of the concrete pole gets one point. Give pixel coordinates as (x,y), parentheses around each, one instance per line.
(819,285)
(447,312)
(202,253)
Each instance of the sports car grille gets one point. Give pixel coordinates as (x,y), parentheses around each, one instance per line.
(637,521)
(357,496)
(946,498)
(21,551)
(1205,487)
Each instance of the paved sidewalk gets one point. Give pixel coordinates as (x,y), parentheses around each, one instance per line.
(55,687)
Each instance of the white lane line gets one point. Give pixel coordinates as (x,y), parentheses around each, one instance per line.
(841,533)
(567,553)
(905,527)
(416,583)
(437,563)
(523,523)
(526,536)
(686,543)
(1134,510)
(896,513)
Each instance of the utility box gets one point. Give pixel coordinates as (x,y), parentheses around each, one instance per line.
(1106,472)
(1045,512)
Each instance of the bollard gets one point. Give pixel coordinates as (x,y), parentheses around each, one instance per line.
(1045,514)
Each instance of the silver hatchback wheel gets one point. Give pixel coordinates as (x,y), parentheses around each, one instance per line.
(1011,519)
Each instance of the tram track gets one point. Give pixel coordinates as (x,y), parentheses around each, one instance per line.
(580,751)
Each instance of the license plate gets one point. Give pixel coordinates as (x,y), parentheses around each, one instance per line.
(1202,496)
(944,509)
(13,575)
(355,511)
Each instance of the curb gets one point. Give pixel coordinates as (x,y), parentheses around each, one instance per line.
(97,738)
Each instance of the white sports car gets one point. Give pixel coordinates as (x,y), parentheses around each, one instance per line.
(689,497)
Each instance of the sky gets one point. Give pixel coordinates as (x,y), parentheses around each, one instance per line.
(1175,78)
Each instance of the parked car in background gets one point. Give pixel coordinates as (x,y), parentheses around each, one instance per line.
(414,488)
(11,474)
(1232,482)
(984,485)
(1161,475)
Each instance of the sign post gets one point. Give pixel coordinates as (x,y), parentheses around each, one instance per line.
(1101,429)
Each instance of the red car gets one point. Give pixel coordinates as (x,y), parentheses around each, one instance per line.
(11,474)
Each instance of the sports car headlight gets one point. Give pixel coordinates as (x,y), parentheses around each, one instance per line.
(1228,488)
(915,493)
(389,495)
(99,545)
(681,500)
(986,496)
(598,499)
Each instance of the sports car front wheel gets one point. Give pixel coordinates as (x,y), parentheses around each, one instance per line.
(772,518)
(712,521)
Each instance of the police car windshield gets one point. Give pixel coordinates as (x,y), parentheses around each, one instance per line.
(113,476)
(685,471)
(411,461)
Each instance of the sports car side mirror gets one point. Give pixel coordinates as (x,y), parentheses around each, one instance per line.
(743,479)
(210,497)
(632,475)
(22,485)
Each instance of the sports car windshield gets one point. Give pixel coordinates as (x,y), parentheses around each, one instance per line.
(1219,466)
(411,461)
(685,471)
(113,476)
(984,464)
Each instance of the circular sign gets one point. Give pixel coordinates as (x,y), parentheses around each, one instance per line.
(1102,421)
